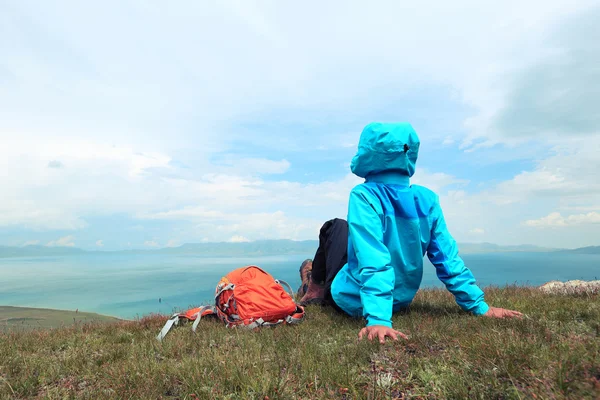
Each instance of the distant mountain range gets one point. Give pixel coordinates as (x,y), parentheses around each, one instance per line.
(222,249)
(257,248)
(38,251)
(584,250)
(473,248)
(262,248)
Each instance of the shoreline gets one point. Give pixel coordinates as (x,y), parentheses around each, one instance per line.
(2,306)
(9,312)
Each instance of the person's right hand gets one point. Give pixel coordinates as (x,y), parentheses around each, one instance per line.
(381,332)
(495,312)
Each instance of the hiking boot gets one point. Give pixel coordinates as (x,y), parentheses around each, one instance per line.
(315,294)
(305,275)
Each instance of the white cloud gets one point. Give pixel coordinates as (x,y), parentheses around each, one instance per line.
(475,59)
(222,226)
(565,180)
(546,95)
(99,243)
(238,239)
(477,231)
(31,243)
(173,243)
(95,133)
(560,186)
(251,166)
(302,208)
(101,179)
(449,140)
(55,164)
(436,181)
(555,219)
(266,226)
(33,214)
(66,241)
(151,243)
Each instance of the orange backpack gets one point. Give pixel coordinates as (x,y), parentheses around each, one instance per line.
(248,297)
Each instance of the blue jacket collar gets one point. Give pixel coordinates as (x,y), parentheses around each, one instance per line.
(389,177)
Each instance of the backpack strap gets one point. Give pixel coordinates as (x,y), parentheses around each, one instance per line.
(202,311)
(285,285)
(260,322)
(174,320)
(296,317)
(222,289)
(257,323)
(291,319)
(194,314)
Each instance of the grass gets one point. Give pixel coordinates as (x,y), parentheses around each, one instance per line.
(554,353)
(22,318)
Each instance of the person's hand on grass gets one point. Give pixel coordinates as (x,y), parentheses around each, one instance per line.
(495,312)
(381,332)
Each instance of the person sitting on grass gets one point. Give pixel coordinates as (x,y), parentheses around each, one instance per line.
(372,265)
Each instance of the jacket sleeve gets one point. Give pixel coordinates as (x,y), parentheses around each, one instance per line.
(451,270)
(377,276)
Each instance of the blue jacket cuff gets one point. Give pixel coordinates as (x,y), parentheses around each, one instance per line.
(373,322)
(481,309)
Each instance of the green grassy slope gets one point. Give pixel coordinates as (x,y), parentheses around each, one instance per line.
(23,318)
(554,353)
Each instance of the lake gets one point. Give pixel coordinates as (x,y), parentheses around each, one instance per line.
(130,285)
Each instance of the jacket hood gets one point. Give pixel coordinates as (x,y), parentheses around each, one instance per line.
(386,147)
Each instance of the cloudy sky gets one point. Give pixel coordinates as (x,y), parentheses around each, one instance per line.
(129,124)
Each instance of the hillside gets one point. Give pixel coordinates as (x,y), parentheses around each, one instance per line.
(218,249)
(474,248)
(24,318)
(553,353)
(585,250)
(37,251)
(256,248)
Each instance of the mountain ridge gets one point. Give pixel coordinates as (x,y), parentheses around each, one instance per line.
(262,248)
(583,250)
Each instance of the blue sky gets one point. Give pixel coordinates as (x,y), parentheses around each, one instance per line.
(129,124)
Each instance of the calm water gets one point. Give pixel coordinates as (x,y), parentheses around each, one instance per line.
(131,285)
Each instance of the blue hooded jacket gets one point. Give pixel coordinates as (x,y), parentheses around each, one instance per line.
(392,224)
